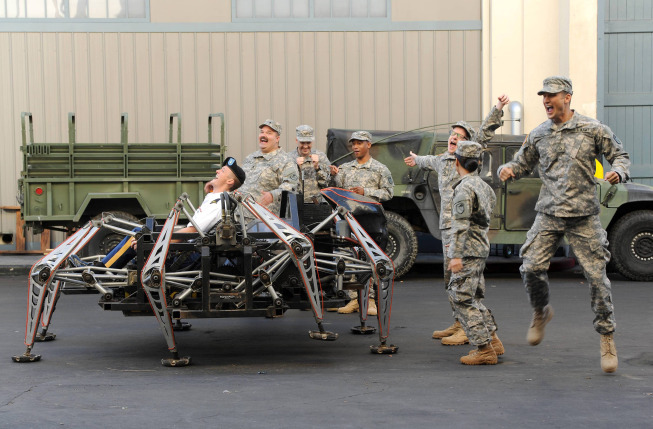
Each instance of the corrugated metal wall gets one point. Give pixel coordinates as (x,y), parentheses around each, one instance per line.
(629,80)
(370,80)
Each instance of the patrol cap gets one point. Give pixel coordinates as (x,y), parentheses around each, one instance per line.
(235,168)
(305,133)
(469,149)
(556,84)
(464,125)
(361,135)
(272,124)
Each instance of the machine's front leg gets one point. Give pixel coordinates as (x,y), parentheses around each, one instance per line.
(383,277)
(40,280)
(153,282)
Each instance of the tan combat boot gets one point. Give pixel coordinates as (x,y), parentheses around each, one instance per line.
(609,359)
(483,355)
(457,339)
(497,345)
(371,308)
(536,330)
(447,332)
(351,307)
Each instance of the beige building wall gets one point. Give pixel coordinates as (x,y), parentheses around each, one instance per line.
(525,41)
(398,79)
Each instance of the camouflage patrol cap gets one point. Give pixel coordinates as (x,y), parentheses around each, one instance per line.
(361,135)
(305,133)
(272,124)
(556,84)
(469,149)
(464,125)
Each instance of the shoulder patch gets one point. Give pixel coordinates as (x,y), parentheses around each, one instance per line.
(461,207)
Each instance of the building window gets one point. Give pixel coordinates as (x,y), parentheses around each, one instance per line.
(74,9)
(310,9)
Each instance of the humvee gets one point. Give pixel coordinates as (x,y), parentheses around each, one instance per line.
(626,208)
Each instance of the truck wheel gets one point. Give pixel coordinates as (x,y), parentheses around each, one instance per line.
(105,240)
(402,243)
(631,245)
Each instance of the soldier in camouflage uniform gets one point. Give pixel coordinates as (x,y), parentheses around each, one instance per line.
(445,165)
(471,210)
(364,176)
(564,149)
(313,165)
(269,170)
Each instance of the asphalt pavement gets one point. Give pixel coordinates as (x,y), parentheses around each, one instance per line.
(104,370)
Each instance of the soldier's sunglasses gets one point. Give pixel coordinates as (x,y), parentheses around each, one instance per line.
(460,136)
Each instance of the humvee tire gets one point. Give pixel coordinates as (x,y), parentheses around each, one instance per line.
(402,243)
(105,240)
(631,245)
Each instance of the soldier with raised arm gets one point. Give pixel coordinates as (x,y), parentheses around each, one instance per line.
(445,165)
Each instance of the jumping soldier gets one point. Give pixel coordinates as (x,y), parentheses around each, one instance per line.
(564,148)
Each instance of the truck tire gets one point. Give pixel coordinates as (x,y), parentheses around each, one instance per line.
(402,243)
(105,240)
(631,245)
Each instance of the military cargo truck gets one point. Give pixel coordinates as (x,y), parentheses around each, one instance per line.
(626,209)
(63,185)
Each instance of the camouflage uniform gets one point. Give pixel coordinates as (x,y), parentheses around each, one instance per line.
(472,207)
(273,172)
(375,179)
(445,165)
(373,176)
(568,205)
(312,179)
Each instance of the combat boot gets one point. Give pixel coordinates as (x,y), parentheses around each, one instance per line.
(351,307)
(483,355)
(457,339)
(371,308)
(447,332)
(540,319)
(497,345)
(609,359)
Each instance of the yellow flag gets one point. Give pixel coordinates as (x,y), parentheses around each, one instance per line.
(599,170)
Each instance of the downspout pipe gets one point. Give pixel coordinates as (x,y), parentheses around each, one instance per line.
(515,109)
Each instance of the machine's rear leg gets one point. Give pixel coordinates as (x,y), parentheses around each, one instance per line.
(40,285)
